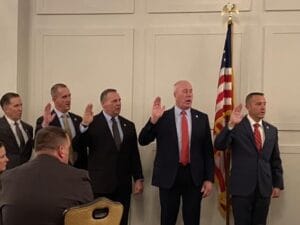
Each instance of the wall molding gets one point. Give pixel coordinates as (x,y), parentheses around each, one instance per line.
(84,6)
(169,6)
(279,5)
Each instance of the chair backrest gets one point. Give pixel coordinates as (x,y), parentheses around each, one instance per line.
(101,211)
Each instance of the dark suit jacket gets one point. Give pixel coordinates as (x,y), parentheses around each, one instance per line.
(38,192)
(81,161)
(15,155)
(166,161)
(251,169)
(108,167)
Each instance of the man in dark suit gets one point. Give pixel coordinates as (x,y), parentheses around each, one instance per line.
(15,133)
(61,116)
(184,164)
(256,172)
(113,159)
(38,192)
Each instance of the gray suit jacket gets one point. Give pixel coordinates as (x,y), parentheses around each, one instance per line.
(39,191)
(251,169)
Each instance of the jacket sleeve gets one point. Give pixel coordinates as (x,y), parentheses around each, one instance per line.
(276,166)
(148,133)
(209,154)
(223,139)
(136,165)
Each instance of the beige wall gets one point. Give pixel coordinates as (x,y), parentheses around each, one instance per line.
(8,44)
(141,47)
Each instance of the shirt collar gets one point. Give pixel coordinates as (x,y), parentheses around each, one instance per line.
(108,117)
(179,110)
(59,113)
(252,122)
(10,121)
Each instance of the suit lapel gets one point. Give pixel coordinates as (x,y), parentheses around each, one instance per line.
(107,129)
(172,124)
(194,121)
(55,122)
(249,131)
(27,131)
(10,132)
(124,127)
(75,122)
(267,134)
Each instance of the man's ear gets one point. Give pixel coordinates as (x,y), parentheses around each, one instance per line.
(4,108)
(60,151)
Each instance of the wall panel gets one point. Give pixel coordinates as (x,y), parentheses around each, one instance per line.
(88,61)
(281,75)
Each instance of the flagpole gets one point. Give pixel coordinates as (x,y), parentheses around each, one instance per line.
(229,9)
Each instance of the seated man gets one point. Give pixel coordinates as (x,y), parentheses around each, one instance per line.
(38,192)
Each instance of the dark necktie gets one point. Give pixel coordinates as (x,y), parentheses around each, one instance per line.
(257,137)
(20,136)
(69,132)
(116,133)
(184,156)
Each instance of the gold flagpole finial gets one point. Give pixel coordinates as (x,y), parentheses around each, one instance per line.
(230,9)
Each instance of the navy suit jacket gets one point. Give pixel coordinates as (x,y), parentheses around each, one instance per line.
(166,161)
(251,169)
(15,155)
(108,167)
(81,161)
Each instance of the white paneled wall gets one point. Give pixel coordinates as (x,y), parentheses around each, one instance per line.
(141,47)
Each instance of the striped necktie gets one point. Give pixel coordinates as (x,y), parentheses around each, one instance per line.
(257,137)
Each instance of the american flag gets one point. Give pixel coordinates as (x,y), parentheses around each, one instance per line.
(224,107)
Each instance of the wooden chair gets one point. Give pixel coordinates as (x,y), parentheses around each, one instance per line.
(101,211)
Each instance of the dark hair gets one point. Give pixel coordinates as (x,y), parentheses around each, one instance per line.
(5,100)
(50,138)
(250,95)
(1,144)
(55,87)
(105,93)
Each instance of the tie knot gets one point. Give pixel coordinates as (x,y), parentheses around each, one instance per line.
(16,123)
(113,119)
(65,115)
(183,113)
(256,125)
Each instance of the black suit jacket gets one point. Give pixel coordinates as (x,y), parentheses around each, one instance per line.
(38,192)
(15,155)
(166,161)
(251,169)
(81,161)
(108,167)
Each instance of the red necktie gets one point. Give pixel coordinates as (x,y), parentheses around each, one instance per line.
(184,156)
(257,136)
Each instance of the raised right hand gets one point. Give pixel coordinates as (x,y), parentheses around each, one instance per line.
(236,115)
(47,116)
(157,110)
(88,115)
